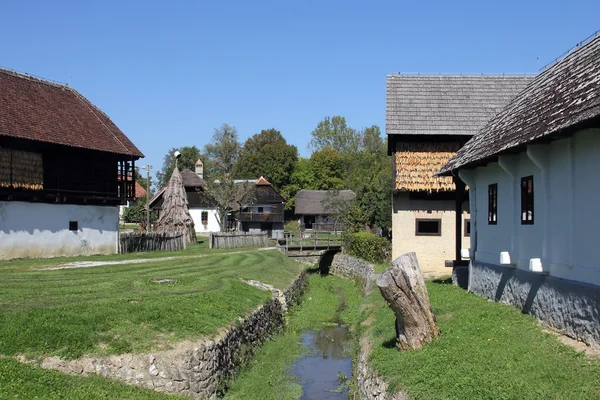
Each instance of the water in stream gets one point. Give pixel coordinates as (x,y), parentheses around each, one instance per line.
(326,368)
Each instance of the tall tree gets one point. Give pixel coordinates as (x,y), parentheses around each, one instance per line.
(336,134)
(189,155)
(222,152)
(267,154)
(328,169)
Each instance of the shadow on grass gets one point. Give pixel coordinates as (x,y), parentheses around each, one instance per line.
(443,281)
(389,344)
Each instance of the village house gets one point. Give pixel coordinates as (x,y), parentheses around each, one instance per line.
(60,163)
(534,188)
(428,118)
(201,207)
(265,212)
(317,209)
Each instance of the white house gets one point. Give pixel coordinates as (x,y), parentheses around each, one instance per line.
(60,163)
(533,173)
(203,212)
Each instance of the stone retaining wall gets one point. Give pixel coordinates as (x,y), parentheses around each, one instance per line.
(370,386)
(198,370)
(346,266)
(570,307)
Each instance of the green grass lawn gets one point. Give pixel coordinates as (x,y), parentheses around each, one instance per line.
(486,351)
(129,226)
(267,376)
(118,309)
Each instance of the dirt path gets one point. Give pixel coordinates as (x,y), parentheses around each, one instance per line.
(90,264)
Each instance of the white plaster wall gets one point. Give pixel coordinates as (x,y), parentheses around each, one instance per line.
(570,224)
(213,222)
(432,251)
(42,230)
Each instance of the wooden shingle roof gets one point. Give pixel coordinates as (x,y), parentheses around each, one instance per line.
(446,105)
(40,110)
(563,97)
(315,202)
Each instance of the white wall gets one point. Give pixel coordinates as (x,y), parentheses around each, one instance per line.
(213,222)
(566,200)
(432,251)
(42,230)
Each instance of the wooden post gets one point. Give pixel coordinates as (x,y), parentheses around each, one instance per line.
(460,193)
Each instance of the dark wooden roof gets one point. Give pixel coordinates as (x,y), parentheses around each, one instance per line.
(446,105)
(191,179)
(564,96)
(315,202)
(36,109)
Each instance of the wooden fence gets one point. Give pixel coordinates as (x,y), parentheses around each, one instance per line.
(231,240)
(132,242)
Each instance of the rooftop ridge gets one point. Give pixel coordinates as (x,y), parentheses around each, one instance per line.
(572,49)
(34,78)
(464,75)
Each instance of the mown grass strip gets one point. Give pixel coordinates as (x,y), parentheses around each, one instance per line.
(118,309)
(486,351)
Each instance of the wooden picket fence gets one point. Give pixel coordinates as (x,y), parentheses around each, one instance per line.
(132,242)
(231,240)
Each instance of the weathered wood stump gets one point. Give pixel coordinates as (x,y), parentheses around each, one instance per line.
(403,287)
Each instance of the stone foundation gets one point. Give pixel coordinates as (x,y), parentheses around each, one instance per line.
(198,370)
(569,307)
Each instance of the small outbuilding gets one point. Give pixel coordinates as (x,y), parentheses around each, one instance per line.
(318,209)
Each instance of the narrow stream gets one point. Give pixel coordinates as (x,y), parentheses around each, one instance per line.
(326,368)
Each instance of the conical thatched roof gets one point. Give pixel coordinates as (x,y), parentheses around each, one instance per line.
(175,216)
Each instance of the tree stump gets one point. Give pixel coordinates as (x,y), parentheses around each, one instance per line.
(403,287)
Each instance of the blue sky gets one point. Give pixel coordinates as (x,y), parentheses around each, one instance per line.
(168,73)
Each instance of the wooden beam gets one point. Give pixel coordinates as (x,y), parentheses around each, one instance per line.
(460,195)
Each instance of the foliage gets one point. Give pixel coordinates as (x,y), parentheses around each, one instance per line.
(141,179)
(267,154)
(136,212)
(228,196)
(267,376)
(222,152)
(494,350)
(368,246)
(302,178)
(328,169)
(334,133)
(189,156)
(107,310)
(292,226)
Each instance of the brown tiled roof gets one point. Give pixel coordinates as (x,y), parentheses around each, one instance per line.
(139,190)
(36,109)
(446,105)
(564,96)
(417,163)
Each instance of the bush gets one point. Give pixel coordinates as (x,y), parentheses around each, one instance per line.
(291,226)
(368,246)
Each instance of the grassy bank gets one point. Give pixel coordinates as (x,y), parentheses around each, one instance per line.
(327,300)
(486,351)
(21,381)
(118,309)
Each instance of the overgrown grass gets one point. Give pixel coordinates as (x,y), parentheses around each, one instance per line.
(119,309)
(486,351)
(328,300)
(21,381)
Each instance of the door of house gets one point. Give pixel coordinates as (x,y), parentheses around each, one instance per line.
(309,220)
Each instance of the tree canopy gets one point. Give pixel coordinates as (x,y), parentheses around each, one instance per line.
(222,152)
(189,156)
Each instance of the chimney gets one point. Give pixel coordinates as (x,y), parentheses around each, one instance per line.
(200,169)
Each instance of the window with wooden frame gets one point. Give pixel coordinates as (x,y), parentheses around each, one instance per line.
(428,227)
(527,200)
(493,204)
(467,228)
(204,217)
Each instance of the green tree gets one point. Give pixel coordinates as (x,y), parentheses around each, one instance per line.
(189,156)
(336,134)
(328,169)
(222,152)
(301,178)
(267,154)
(141,179)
